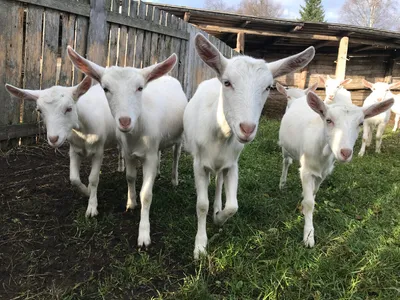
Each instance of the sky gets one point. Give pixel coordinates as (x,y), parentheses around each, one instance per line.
(291,7)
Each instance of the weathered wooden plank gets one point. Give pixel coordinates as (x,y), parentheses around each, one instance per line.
(81,45)
(139,49)
(98,32)
(50,48)
(78,8)
(140,24)
(342,58)
(33,54)
(67,39)
(162,55)
(19,131)
(154,58)
(113,37)
(123,35)
(182,55)
(131,43)
(11,48)
(147,38)
(176,44)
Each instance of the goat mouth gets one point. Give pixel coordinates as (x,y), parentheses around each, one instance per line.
(125,130)
(243,141)
(345,160)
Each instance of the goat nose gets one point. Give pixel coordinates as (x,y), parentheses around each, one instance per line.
(331,97)
(247,128)
(379,99)
(346,153)
(125,122)
(53,139)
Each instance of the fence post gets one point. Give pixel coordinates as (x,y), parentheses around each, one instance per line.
(98,32)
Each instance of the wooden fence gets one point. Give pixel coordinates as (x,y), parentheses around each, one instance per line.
(35,35)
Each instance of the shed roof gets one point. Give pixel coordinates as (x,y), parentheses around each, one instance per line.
(272,35)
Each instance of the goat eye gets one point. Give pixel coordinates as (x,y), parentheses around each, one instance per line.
(268,88)
(69,109)
(362,123)
(106,90)
(329,121)
(227,83)
(140,88)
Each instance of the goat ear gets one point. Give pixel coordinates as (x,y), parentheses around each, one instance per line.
(346,81)
(312,88)
(292,63)
(85,66)
(322,79)
(394,85)
(367,84)
(82,88)
(377,108)
(316,104)
(281,89)
(210,54)
(23,94)
(160,69)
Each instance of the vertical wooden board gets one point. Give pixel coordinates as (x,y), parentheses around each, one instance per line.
(81,41)
(123,33)
(147,38)
(11,39)
(131,43)
(33,54)
(67,39)
(50,48)
(161,39)
(190,61)
(175,45)
(182,55)
(168,39)
(154,37)
(139,47)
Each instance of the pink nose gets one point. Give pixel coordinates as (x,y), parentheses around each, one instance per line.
(346,153)
(379,99)
(125,122)
(247,128)
(330,97)
(53,139)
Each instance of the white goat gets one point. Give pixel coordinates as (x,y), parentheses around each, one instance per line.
(292,94)
(221,117)
(396,110)
(148,112)
(316,135)
(66,118)
(335,91)
(380,91)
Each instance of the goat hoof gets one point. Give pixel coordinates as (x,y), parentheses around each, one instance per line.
(91,212)
(174,182)
(144,242)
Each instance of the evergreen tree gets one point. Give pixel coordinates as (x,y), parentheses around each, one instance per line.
(312,11)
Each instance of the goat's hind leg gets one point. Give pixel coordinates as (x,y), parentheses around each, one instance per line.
(366,138)
(379,133)
(177,154)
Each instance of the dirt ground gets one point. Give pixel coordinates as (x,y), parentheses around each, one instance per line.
(44,240)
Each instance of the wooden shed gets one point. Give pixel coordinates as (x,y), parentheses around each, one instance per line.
(342,50)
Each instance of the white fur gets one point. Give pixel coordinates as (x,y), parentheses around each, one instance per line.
(292,93)
(213,119)
(335,91)
(380,91)
(396,110)
(155,106)
(316,135)
(88,127)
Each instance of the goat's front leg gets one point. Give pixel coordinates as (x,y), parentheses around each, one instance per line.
(379,133)
(74,177)
(201,177)
(308,184)
(97,160)
(131,172)
(146,195)
(231,204)
(396,122)
(365,137)
(287,161)
(177,154)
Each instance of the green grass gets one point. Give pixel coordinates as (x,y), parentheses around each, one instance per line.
(257,254)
